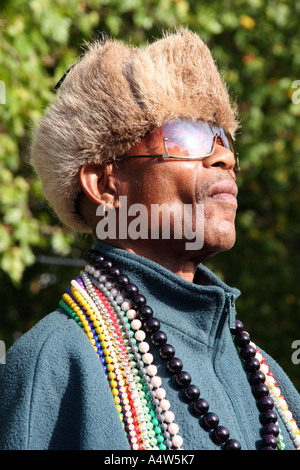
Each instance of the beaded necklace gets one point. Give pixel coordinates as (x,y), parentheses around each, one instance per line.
(116,319)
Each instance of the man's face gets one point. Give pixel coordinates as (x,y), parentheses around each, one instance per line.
(210,182)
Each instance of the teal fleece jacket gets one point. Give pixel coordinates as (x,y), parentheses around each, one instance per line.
(54,394)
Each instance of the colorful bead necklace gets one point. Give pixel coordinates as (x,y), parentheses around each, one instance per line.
(116,319)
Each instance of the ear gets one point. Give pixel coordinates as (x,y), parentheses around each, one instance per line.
(99,183)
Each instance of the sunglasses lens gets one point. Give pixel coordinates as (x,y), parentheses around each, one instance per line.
(186,138)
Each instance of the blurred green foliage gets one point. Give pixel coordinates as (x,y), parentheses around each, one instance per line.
(256,44)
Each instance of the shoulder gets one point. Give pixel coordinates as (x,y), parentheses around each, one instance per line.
(41,369)
(55,333)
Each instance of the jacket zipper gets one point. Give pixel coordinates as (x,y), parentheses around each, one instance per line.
(229,307)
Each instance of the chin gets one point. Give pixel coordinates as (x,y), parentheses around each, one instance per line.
(221,238)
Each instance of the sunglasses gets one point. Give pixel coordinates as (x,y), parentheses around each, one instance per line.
(187,139)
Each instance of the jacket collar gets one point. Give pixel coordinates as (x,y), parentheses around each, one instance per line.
(197,309)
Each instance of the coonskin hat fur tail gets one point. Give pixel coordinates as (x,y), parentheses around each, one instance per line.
(111,98)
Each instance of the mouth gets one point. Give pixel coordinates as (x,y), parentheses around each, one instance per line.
(225,191)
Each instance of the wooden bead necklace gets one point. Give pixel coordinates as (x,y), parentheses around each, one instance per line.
(116,319)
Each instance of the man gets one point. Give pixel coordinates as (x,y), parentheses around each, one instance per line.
(145,351)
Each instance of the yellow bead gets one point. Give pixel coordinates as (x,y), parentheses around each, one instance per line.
(87,328)
(119,408)
(113,384)
(111,376)
(110,367)
(90,335)
(117,400)
(85,322)
(108,360)
(99,331)
(106,352)
(115,392)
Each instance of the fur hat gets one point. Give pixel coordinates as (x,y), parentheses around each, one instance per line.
(112,97)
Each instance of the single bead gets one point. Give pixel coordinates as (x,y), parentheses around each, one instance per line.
(106,264)
(270,428)
(122,280)
(183,379)
(269,441)
(238,327)
(152,325)
(130,290)
(113,272)
(220,435)
(177,441)
(156,381)
(159,338)
(201,406)
(192,393)
(169,416)
(126,306)
(165,405)
(173,429)
(151,370)
(174,365)
(138,300)
(160,393)
(131,314)
(260,390)
(265,403)
(247,351)
(269,416)
(140,335)
(144,347)
(144,312)
(210,420)
(252,364)
(167,351)
(147,358)
(136,324)
(242,339)
(256,377)
(232,444)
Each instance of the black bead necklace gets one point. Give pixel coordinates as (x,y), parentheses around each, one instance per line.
(199,406)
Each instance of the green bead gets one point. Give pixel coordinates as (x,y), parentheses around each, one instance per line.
(155,422)
(157,430)
(162,447)
(160,439)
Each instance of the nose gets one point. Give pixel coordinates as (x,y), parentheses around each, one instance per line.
(222,157)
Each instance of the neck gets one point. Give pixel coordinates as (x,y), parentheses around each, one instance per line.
(177,260)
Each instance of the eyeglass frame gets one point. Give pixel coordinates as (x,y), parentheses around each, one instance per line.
(214,143)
